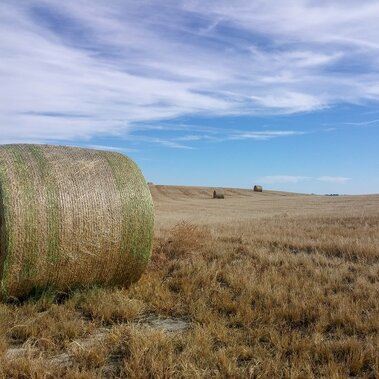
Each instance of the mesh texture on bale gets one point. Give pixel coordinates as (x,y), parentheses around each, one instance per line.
(71,217)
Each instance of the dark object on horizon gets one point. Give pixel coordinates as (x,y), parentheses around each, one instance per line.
(258,188)
(218,195)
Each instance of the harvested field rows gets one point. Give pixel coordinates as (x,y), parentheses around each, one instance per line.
(262,285)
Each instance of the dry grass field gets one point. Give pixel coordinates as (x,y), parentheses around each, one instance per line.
(258,285)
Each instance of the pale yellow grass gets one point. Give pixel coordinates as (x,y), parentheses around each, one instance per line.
(195,204)
(272,285)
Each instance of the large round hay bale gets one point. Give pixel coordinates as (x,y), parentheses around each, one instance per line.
(71,217)
(258,188)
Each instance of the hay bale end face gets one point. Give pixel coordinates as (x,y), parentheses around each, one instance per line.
(71,217)
(218,195)
(258,188)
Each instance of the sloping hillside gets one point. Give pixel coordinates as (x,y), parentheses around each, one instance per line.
(195,204)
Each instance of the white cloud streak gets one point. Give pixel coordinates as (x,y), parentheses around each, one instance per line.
(363,123)
(209,135)
(334,179)
(77,69)
(262,135)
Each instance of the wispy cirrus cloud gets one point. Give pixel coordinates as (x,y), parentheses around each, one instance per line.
(289,102)
(208,134)
(263,135)
(119,149)
(174,143)
(334,179)
(77,69)
(363,123)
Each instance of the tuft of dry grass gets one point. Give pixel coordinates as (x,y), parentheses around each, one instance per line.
(107,306)
(285,297)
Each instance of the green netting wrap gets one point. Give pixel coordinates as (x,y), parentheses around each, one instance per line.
(71,217)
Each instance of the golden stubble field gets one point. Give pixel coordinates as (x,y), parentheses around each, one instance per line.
(258,285)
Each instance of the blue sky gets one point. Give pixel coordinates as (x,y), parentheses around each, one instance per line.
(218,93)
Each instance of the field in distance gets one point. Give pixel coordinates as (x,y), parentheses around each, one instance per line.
(256,285)
(195,204)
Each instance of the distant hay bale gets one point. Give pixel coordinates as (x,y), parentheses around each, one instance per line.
(218,195)
(258,188)
(71,217)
